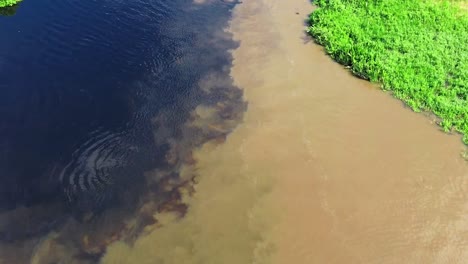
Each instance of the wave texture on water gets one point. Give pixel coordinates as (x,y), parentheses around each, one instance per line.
(102,105)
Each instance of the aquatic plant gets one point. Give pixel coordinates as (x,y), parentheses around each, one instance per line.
(416,49)
(4,3)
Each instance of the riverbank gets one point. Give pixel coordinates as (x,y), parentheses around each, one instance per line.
(416,49)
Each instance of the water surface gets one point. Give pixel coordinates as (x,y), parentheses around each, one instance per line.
(325,168)
(93,96)
(359,177)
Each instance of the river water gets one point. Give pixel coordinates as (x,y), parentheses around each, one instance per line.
(323,167)
(358,178)
(100,104)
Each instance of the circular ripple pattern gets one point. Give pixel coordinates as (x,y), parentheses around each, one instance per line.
(94,165)
(80,82)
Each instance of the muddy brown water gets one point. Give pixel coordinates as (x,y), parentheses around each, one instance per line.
(325,168)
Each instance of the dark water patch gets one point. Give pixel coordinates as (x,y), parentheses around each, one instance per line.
(74,67)
(98,113)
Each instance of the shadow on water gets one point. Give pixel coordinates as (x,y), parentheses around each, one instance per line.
(102,104)
(9,10)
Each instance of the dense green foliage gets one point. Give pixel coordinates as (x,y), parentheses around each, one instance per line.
(4,3)
(418,49)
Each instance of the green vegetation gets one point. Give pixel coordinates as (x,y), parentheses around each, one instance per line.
(4,3)
(418,49)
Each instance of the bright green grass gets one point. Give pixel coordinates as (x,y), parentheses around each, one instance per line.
(4,3)
(418,49)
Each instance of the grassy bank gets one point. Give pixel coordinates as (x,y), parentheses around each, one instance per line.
(4,3)
(418,49)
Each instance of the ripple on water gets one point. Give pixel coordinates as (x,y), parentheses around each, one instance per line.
(95,165)
(87,84)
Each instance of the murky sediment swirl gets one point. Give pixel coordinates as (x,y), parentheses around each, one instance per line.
(325,168)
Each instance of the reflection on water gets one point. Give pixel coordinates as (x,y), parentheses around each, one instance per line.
(9,10)
(102,105)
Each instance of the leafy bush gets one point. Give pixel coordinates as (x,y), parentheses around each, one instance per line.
(418,49)
(4,3)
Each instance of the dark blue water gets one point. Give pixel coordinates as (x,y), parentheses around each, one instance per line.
(81,82)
